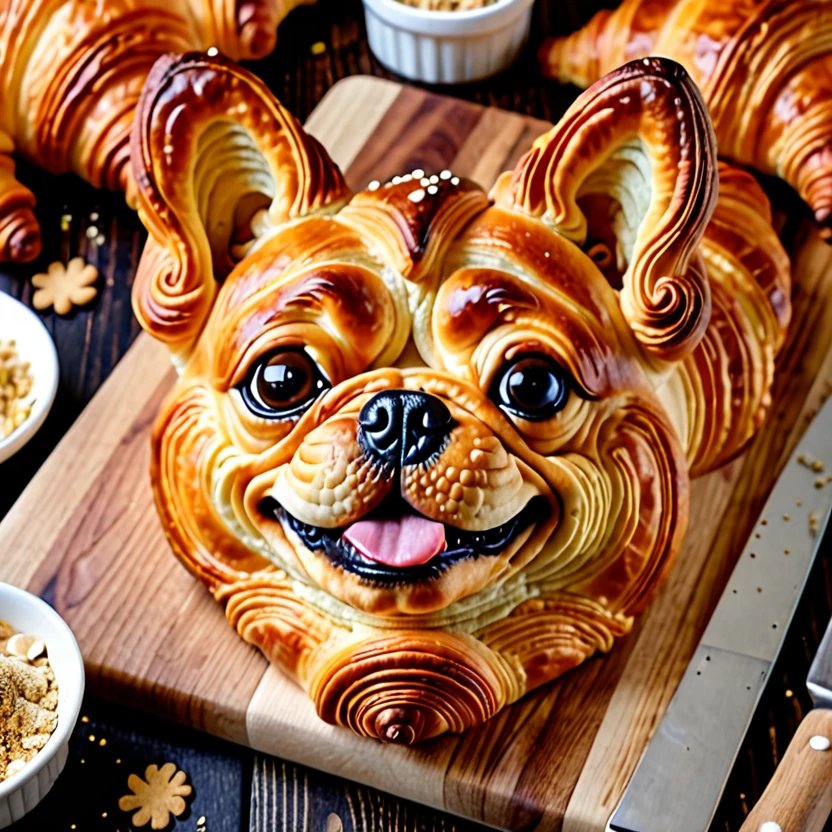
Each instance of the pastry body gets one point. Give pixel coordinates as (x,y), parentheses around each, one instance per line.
(764,68)
(71,72)
(431,448)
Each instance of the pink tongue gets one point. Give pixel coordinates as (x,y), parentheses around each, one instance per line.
(403,542)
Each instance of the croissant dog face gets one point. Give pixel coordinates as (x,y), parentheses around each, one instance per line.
(418,446)
(400,487)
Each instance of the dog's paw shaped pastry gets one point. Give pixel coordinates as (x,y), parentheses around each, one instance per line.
(63,287)
(432,449)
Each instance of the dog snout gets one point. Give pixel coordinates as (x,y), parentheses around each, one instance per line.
(402,427)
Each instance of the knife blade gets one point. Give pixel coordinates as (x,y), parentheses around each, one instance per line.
(680,778)
(799,796)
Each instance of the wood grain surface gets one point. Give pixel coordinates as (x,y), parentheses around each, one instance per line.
(559,758)
(286,798)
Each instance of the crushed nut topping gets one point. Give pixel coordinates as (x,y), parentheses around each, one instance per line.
(16,383)
(28,699)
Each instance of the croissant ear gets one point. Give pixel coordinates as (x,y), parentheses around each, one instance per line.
(217,161)
(19,230)
(632,166)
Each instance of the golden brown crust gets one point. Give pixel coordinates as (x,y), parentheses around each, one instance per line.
(191,163)
(603,260)
(733,367)
(19,230)
(549,636)
(764,68)
(71,77)
(653,108)
(411,686)
(265,610)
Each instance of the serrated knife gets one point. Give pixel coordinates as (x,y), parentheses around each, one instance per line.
(679,780)
(799,796)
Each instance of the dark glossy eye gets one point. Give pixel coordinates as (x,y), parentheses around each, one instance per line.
(282,384)
(533,387)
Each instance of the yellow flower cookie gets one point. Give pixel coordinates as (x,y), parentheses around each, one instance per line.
(63,287)
(157,797)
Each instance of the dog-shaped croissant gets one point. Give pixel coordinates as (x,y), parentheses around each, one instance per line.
(432,450)
(764,68)
(71,72)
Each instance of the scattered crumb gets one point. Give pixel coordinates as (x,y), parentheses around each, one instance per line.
(814,523)
(815,465)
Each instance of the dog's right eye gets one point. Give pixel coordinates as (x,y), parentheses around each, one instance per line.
(533,387)
(283,384)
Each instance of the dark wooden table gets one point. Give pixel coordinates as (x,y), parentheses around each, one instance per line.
(234,789)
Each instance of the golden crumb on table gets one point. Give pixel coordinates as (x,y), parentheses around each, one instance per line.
(15,389)
(448,5)
(814,523)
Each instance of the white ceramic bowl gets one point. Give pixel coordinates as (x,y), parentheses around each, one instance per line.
(34,344)
(28,614)
(447,47)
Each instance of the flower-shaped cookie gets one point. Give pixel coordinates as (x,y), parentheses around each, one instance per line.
(63,287)
(157,797)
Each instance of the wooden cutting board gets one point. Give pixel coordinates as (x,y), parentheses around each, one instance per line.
(85,535)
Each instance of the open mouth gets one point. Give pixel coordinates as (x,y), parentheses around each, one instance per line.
(395,544)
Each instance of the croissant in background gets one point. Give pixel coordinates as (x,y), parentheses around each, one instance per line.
(432,450)
(71,72)
(764,68)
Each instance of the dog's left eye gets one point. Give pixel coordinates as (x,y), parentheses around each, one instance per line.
(533,387)
(282,384)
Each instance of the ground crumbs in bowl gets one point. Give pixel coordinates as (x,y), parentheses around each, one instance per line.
(28,699)
(15,389)
(448,5)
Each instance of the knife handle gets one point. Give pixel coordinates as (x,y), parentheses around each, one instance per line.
(799,796)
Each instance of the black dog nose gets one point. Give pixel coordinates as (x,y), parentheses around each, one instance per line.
(402,427)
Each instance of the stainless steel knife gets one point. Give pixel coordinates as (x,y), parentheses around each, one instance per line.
(799,796)
(681,776)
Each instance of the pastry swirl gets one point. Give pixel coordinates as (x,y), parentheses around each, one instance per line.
(764,68)
(71,76)
(429,448)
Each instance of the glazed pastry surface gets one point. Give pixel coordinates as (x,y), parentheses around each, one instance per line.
(71,72)
(431,448)
(764,68)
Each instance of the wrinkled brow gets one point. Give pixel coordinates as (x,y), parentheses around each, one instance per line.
(311,240)
(304,279)
(516,274)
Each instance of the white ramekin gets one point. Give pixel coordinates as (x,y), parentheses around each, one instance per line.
(447,47)
(35,345)
(28,614)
